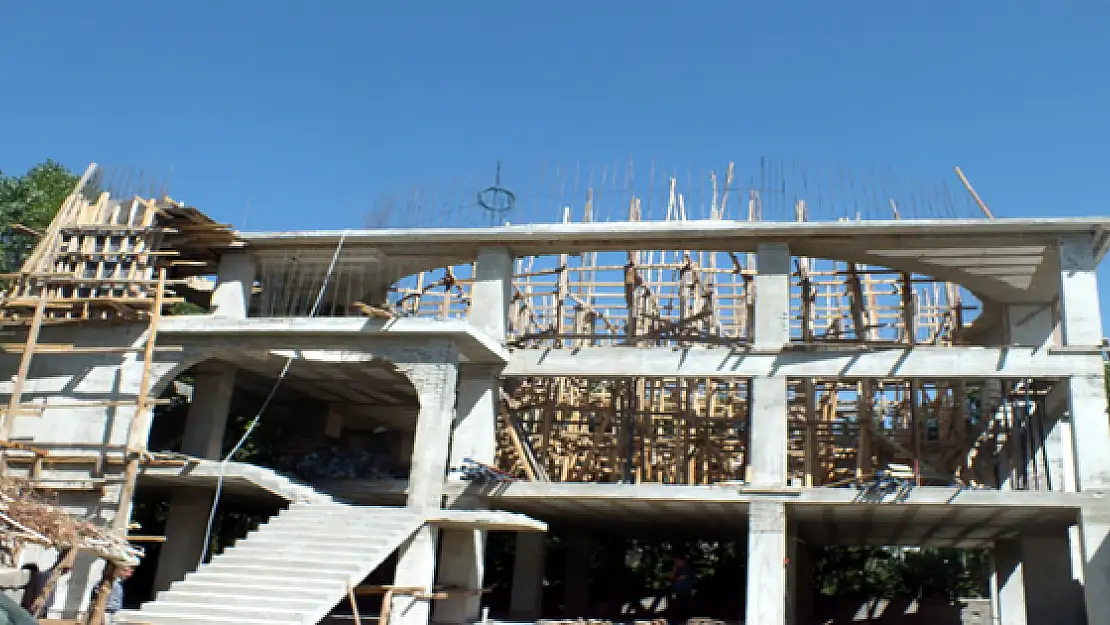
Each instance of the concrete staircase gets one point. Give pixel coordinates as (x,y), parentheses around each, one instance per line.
(263,478)
(293,569)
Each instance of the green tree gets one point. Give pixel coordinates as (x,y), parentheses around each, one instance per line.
(31,201)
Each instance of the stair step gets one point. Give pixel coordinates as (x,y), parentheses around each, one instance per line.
(131,616)
(292,572)
(266,614)
(284,601)
(239,590)
(292,569)
(300,537)
(235,578)
(220,613)
(305,561)
(364,524)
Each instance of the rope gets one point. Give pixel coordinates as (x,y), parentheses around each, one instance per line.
(265,404)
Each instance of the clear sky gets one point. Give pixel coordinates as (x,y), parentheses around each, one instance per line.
(307,111)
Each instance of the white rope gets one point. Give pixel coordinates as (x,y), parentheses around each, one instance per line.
(258,415)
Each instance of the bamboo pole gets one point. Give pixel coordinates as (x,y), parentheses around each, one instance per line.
(101,594)
(21,377)
(140,422)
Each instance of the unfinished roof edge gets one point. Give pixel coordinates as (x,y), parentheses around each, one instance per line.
(705,228)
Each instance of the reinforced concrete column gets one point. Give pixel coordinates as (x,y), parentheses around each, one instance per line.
(767,562)
(185,527)
(416,568)
(435,381)
(474,432)
(771,329)
(491,292)
(576,584)
(1094,524)
(1052,595)
(213,384)
(768,439)
(1082,328)
(1008,583)
(234,285)
(461,565)
(526,603)
(804,591)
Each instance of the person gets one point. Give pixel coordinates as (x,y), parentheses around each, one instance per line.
(682,590)
(36,586)
(115,596)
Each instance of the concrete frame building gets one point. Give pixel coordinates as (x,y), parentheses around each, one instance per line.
(307,308)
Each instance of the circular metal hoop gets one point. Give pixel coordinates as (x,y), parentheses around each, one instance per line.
(497,200)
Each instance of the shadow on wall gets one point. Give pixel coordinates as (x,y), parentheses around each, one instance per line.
(901,611)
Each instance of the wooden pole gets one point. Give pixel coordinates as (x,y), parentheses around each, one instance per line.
(974,195)
(354,604)
(387,601)
(21,377)
(140,423)
(103,590)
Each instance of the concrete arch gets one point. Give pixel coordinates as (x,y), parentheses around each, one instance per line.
(363,408)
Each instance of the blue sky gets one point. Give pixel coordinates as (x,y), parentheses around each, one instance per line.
(307,112)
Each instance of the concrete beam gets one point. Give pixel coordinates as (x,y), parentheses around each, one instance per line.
(925,362)
(998,259)
(324,333)
(939,495)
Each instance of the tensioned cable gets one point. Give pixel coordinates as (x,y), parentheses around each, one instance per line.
(265,403)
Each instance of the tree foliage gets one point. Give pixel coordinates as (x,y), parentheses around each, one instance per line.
(30,200)
(889,572)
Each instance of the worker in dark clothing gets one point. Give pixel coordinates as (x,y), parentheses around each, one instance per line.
(683,577)
(36,587)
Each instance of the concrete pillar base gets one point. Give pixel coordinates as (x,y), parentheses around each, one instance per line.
(767,560)
(526,603)
(416,568)
(185,527)
(577,583)
(461,564)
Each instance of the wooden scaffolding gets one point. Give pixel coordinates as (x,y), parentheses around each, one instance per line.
(102,260)
(693,431)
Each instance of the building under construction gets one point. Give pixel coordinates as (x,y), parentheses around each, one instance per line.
(791,383)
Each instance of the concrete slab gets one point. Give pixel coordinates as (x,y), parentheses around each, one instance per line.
(1001,259)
